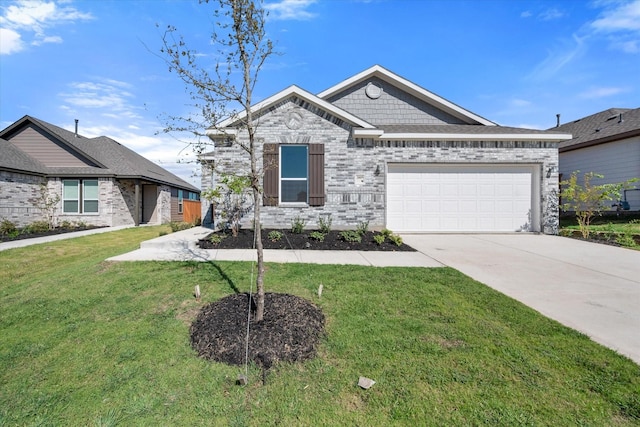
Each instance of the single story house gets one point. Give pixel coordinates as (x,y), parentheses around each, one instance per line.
(377,147)
(607,143)
(96,181)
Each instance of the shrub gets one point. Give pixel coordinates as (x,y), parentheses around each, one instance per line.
(216,238)
(179,226)
(275,236)
(317,235)
(36,227)
(351,236)
(297,225)
(324,224)
(396,239)
(379,238)
(7,227)
(66,225)
(386,232)
(626,240)
(362,228)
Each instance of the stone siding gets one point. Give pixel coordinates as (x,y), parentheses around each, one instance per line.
(19,194)
(355,170)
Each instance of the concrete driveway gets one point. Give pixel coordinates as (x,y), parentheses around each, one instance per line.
(589,287)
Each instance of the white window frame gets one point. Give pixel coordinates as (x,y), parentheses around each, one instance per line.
(65,199)
(281,179)
(80,197)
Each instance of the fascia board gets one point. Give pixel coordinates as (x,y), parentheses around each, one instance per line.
(468,137)
(301,93)
(412,88)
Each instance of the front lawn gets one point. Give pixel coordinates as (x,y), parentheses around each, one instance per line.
(85,342)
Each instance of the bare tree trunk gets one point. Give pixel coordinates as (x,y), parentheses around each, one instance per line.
(258,239)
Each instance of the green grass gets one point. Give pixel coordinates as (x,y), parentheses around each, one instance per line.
(84,342)
(624,230)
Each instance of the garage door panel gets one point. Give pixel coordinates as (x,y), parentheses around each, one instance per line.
(459,197)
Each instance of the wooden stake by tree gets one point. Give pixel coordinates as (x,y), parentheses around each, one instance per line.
(239,36)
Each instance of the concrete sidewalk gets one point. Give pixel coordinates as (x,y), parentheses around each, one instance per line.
(181,246)
(38,240)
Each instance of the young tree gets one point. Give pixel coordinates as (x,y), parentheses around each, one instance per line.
(588,200)
(240,38)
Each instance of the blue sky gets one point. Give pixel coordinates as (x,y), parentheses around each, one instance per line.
(517,63)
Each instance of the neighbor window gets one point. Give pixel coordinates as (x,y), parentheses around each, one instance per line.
(180,199)
(80,196)
(294,173)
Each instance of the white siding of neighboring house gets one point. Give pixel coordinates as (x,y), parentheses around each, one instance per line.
(617,161)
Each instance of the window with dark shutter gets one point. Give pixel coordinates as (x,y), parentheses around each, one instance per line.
(291,177)
(316,175)
(271,175)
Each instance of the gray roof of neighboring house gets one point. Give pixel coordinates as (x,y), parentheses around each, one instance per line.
(602,127)
(112,158)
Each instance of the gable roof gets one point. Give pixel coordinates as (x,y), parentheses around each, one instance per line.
(110,157)
(606,126)
(477,127)
(302,94)
(411,88)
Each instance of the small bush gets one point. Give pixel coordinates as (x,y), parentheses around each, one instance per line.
(396,239)
(324,224)
(216,238)
(7,227)
(626,240)
(317,235)
(386,232)
(179,225)
(66,225)
(297,225)
(362,228)
(379,238)
(274,236)
(351,236)
(36,227)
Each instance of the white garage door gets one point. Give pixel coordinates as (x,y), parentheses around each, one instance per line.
(460,198)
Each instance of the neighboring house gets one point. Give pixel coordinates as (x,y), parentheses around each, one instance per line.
(98,181)
(379,148)
(607,143)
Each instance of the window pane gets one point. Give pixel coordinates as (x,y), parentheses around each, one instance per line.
(91,190)
(70,206)
(294,191)
(70,191)
(90,206)
(294,163)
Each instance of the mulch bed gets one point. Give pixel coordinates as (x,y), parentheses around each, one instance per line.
(332,241)
(289,332)
(55,231)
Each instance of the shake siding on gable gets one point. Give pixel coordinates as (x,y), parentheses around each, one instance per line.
(45,150)
(392,107)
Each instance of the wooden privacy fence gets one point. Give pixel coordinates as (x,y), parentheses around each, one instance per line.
(191,210)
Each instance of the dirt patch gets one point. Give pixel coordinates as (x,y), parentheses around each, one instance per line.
(332,241)
(289,332)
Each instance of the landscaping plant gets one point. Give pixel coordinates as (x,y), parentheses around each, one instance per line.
(587,199)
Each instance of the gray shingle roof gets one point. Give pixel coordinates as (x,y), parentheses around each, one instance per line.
(601,127)
(112,158)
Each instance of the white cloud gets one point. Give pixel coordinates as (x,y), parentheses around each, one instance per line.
(621,24)
(290,9)
(25,17)
(551,14)
(526,14)
(519,103)
(601,92)
(625,17)
(560,58)
(110,95)
(10,42)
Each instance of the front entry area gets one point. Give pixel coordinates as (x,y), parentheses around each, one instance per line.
(149,203)
(462,198)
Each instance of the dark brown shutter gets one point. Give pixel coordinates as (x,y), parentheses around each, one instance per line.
(316,174)
(271,175)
